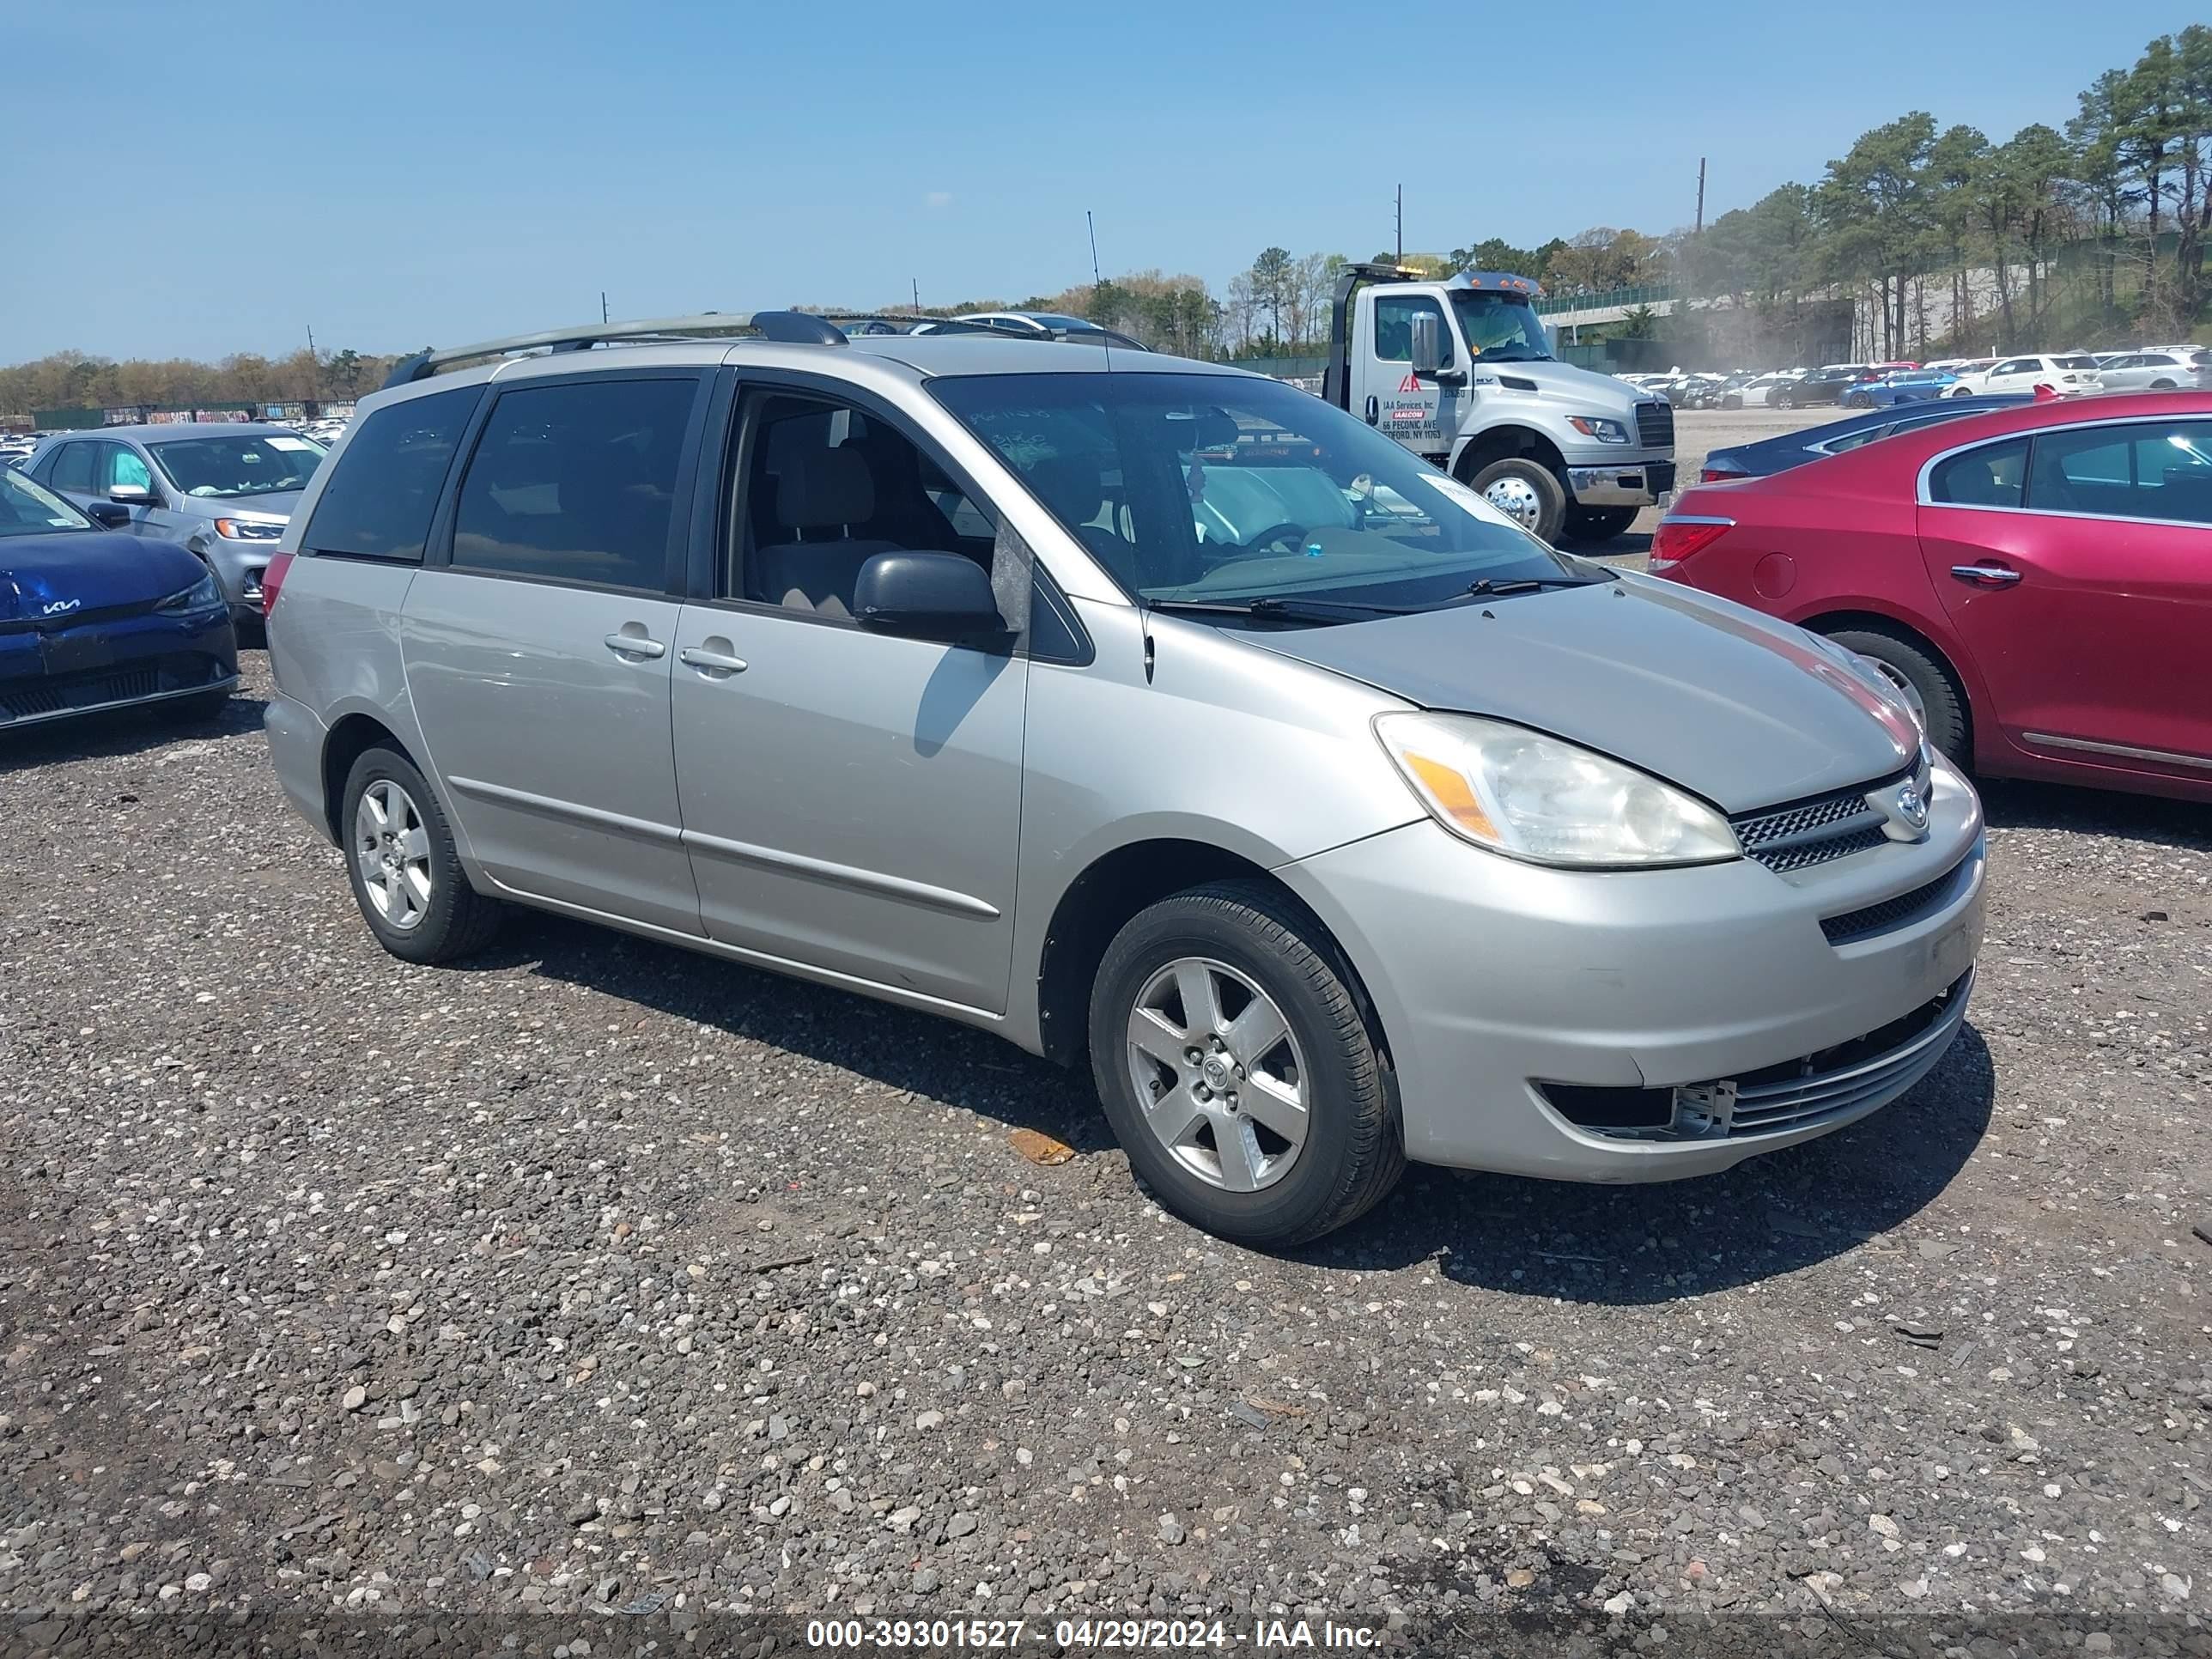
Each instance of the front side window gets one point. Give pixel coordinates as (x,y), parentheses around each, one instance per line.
(828,487)
(30,509)
(2019,366)
(2158,470)
(125,469)
(225,468)
(1212,488)
(1990,475)
(378,502)
(576,482)
(1394,328)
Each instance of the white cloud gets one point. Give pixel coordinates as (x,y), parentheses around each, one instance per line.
(937,198)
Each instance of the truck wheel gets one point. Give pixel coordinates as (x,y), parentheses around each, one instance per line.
(1597,524)
(1526,491)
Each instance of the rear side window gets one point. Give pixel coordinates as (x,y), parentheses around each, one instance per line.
(72,468)
(1991,476)
(378,502)
(576,482)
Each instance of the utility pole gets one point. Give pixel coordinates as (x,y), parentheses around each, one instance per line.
(1401,224)
(603,305)
(916,280)
(1701,197)
(314,367)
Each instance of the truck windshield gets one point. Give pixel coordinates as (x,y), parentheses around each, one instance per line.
(1228,488)
(1500,328)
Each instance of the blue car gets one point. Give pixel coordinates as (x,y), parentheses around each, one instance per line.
(1906,386)
(92,619)
(1779,454)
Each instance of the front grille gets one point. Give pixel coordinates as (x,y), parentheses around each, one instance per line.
(1872,919)
(1655,425)
(68,619)
(58,693)
(1785,838)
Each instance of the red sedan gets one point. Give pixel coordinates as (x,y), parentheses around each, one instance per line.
(2040,577)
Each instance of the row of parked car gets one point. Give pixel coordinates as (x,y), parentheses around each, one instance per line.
(1874,385)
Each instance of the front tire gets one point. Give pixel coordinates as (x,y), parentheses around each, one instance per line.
(1784,400)
(1918,667)
(1283,1127)
(1526,491)
(1597,524)
(400,860)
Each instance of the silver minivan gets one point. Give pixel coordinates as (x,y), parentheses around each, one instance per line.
(1177,726)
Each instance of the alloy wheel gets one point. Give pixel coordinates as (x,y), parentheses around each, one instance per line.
(1218,1077)
(391,853)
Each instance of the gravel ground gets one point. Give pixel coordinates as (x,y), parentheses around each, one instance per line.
(599,1278)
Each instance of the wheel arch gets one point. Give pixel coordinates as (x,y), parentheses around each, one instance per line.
(1114,888)
(350,738)
(1964,682)
(1497,443)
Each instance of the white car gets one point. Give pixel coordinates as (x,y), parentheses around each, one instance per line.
(2074,373)
(1757,394)
(2157,371)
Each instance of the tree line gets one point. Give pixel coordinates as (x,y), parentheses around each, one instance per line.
(77,379)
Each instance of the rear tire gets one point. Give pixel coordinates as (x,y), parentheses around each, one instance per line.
(200,707)
(1949,730)
(427,912)
(1239,943)
(1597,524)
(1784,400)
(2161,385)
(1529,493)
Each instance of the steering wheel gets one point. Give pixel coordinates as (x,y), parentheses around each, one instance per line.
(1294,534)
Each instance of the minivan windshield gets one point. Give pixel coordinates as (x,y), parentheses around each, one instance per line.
(1230,489)
(1500,328)
(238,465)
(30,509)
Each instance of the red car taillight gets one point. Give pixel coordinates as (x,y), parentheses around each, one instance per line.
(1720,475)
(1678,540)
(272,580)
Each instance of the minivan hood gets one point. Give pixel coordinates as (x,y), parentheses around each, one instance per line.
(1742,710)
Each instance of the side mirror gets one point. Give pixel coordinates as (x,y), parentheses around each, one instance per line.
(1427,350)
(930,596)
(131,494)
(110,515)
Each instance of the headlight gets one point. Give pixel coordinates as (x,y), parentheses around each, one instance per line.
(1528,796)
(202,595)
(249,530)
(1606,432)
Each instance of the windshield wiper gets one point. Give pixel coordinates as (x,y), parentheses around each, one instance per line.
(1273,609)
(1482,585)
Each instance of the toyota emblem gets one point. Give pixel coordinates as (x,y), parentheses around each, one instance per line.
(1911,807)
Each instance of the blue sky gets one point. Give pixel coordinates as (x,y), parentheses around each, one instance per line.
(206,178)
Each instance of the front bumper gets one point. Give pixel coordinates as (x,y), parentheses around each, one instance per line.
(1504,989)
(1621,483)
(55,673)
(238,566)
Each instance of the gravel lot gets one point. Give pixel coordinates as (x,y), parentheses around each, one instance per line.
(599,1278)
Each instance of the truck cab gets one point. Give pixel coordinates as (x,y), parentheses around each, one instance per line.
(1461,373)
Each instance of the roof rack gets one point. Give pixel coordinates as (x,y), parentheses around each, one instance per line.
(790,327)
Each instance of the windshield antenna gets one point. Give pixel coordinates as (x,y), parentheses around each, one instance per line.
(1098,282)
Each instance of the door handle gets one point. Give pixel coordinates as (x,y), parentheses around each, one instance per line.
(693,656)
(1987,575)
(634,645)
